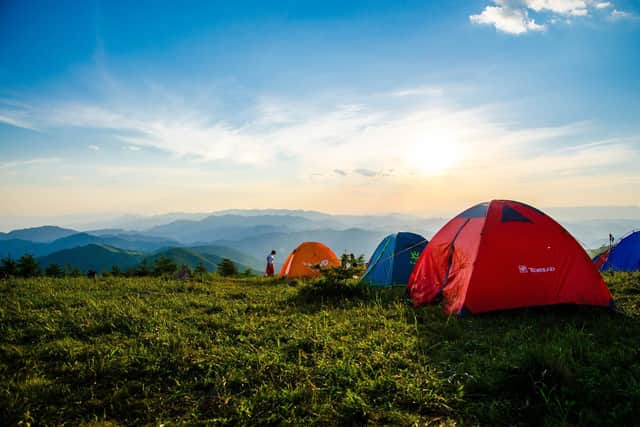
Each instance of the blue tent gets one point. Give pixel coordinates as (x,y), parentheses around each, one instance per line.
(625,256)
(393,260)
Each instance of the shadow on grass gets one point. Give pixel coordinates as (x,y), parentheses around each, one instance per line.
(314,296)
(554,365)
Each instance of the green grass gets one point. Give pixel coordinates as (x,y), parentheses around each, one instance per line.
(254,352)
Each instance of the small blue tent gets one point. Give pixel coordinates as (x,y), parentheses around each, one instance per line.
(393,260)
(625,256)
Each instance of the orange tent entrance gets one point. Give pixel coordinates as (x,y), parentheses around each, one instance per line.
(298,263)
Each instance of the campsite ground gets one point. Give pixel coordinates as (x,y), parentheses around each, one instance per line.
(147,351)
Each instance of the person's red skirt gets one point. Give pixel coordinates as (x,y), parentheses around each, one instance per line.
(270,270)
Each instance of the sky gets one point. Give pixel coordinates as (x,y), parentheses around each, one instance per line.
(418,107)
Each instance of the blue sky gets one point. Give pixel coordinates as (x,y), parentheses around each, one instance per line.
(373,106)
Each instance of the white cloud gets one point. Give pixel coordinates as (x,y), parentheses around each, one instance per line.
(562,7)
(94,147)
(513,16)
(507,19)
(351,139)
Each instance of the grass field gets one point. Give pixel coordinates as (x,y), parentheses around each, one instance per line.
(250,352)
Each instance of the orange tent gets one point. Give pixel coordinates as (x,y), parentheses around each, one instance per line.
(300,260)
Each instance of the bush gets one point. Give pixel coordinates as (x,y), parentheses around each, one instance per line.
(28,266)
(54,270)
(226,267)
(164,266)
(200,268)
(8,267)
(338,282)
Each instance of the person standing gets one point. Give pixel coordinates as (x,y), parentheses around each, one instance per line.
(270,271)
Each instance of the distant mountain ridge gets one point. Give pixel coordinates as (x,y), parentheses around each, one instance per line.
(15,248)
(102,258)
(43,234)
(255,232)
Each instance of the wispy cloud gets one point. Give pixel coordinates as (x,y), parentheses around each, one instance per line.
(29,162)
(15,121)
(621,14)
(94,147)
(353,137)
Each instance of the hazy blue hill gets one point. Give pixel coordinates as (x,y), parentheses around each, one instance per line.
(594,233)
(237,256)
(354,240)
(44,234)
(193,257)
(93,257)
(220,227)
(15,248)
(101,257)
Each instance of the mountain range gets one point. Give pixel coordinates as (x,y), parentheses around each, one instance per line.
(102,258)
(245,236)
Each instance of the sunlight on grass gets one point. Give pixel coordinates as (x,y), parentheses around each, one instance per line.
(250,351)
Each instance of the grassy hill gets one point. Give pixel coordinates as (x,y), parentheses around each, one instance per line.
(101,258)
(93,257)
(256,352)
(192,257)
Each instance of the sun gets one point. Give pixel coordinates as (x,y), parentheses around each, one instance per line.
(433,157)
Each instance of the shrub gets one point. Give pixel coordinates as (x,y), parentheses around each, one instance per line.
(200,268)
(28,266)
(226,267)
(164,266)
(8,267)
(54,270)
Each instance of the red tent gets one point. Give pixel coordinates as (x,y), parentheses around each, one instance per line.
(503,255)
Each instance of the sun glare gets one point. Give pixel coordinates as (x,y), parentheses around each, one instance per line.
(433,157)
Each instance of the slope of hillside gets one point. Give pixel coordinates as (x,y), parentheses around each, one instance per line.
(44,234)
(356,241)
(219,227)
(102,257)
(15,248)
(192,257)
(226,252)
(93,257)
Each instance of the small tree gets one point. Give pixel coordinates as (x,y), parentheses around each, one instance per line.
(226,267)
(8,267)
(28,266)
(164,266)
(71,271)
(54,270)
(115,271)
(143,268)
(200,268)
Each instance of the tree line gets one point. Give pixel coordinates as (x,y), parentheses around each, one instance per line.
(28,266)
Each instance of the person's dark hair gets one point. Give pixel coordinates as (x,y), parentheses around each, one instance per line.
(273,252)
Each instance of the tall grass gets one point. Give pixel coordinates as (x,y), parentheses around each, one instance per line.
(253,351)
